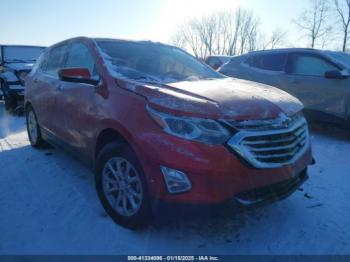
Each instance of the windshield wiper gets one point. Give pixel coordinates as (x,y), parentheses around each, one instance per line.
(147,79)
(138,75)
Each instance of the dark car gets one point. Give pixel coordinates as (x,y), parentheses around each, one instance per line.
(320,79)
(16,61)
(216,61)
(158,125)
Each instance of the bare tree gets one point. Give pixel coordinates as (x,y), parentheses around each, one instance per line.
(178,39)
(235,29)
(276,39)
(314,21)
(248,32)
(186,37)
(224,20)
(342,7)
(208,30)
(223,33)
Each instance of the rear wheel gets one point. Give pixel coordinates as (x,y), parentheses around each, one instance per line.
(121,186)
(33,128)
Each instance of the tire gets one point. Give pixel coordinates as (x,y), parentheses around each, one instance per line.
(1,89)
(123,193)
(33,129)
(10,102)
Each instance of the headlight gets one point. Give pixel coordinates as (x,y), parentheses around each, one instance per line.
(190,128)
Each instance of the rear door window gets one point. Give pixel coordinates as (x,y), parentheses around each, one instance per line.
(309,65)
(79,56)
(270,62)
(55,60)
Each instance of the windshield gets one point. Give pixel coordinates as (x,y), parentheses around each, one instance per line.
(154,62)
(225,59)
(21,54)
(341,57)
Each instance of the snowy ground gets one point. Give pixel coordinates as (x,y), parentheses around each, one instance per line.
(48,205)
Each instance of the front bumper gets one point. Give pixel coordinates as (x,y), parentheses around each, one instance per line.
(216,173)
(271,193)
(15,89)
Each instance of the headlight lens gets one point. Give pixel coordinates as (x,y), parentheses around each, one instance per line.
(197,129)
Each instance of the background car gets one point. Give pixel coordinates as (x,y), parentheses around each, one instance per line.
(320,79)
(16,61)
(158,125)
(216,61)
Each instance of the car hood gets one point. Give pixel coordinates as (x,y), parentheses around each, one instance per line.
(19,66)
(225,98)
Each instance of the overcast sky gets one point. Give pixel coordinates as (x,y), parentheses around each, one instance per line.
(44,22)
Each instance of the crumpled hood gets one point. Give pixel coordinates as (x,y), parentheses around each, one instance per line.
(226,98)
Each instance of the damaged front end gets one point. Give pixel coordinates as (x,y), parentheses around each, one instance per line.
(271,143)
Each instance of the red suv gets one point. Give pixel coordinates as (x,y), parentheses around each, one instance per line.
(156,124)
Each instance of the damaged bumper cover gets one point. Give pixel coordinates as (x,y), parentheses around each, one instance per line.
(271,193)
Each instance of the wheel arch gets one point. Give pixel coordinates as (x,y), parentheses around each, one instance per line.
(27,104)
(107,136)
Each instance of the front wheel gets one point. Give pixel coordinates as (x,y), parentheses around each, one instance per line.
(33,128)
(10,102)
(121,186)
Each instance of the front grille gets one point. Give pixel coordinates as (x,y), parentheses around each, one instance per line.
(272,148)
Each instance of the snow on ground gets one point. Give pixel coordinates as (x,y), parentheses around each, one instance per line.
(48,205)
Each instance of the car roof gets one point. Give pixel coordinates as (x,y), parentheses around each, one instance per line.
(84,38)
(287,50)
(23,46)
(131,41)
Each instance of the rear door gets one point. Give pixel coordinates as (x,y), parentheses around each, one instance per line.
(306,80)
(77,105)
(266,68)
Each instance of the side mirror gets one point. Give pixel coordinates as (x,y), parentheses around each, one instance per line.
(77,75)
(335,74)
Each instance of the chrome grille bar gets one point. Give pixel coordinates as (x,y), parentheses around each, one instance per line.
(272,148)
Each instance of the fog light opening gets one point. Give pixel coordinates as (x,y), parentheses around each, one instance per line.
(175,180)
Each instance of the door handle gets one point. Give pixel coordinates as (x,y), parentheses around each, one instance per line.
(58,86)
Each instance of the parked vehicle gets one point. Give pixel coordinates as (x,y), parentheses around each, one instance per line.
(156,124)
(320,79)
(216,61)
(15,63)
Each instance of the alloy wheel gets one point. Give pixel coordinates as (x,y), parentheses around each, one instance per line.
(32,127)
(122,186)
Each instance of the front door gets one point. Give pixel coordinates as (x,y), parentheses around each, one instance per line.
(47,85)
(305,79)
(77,101)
